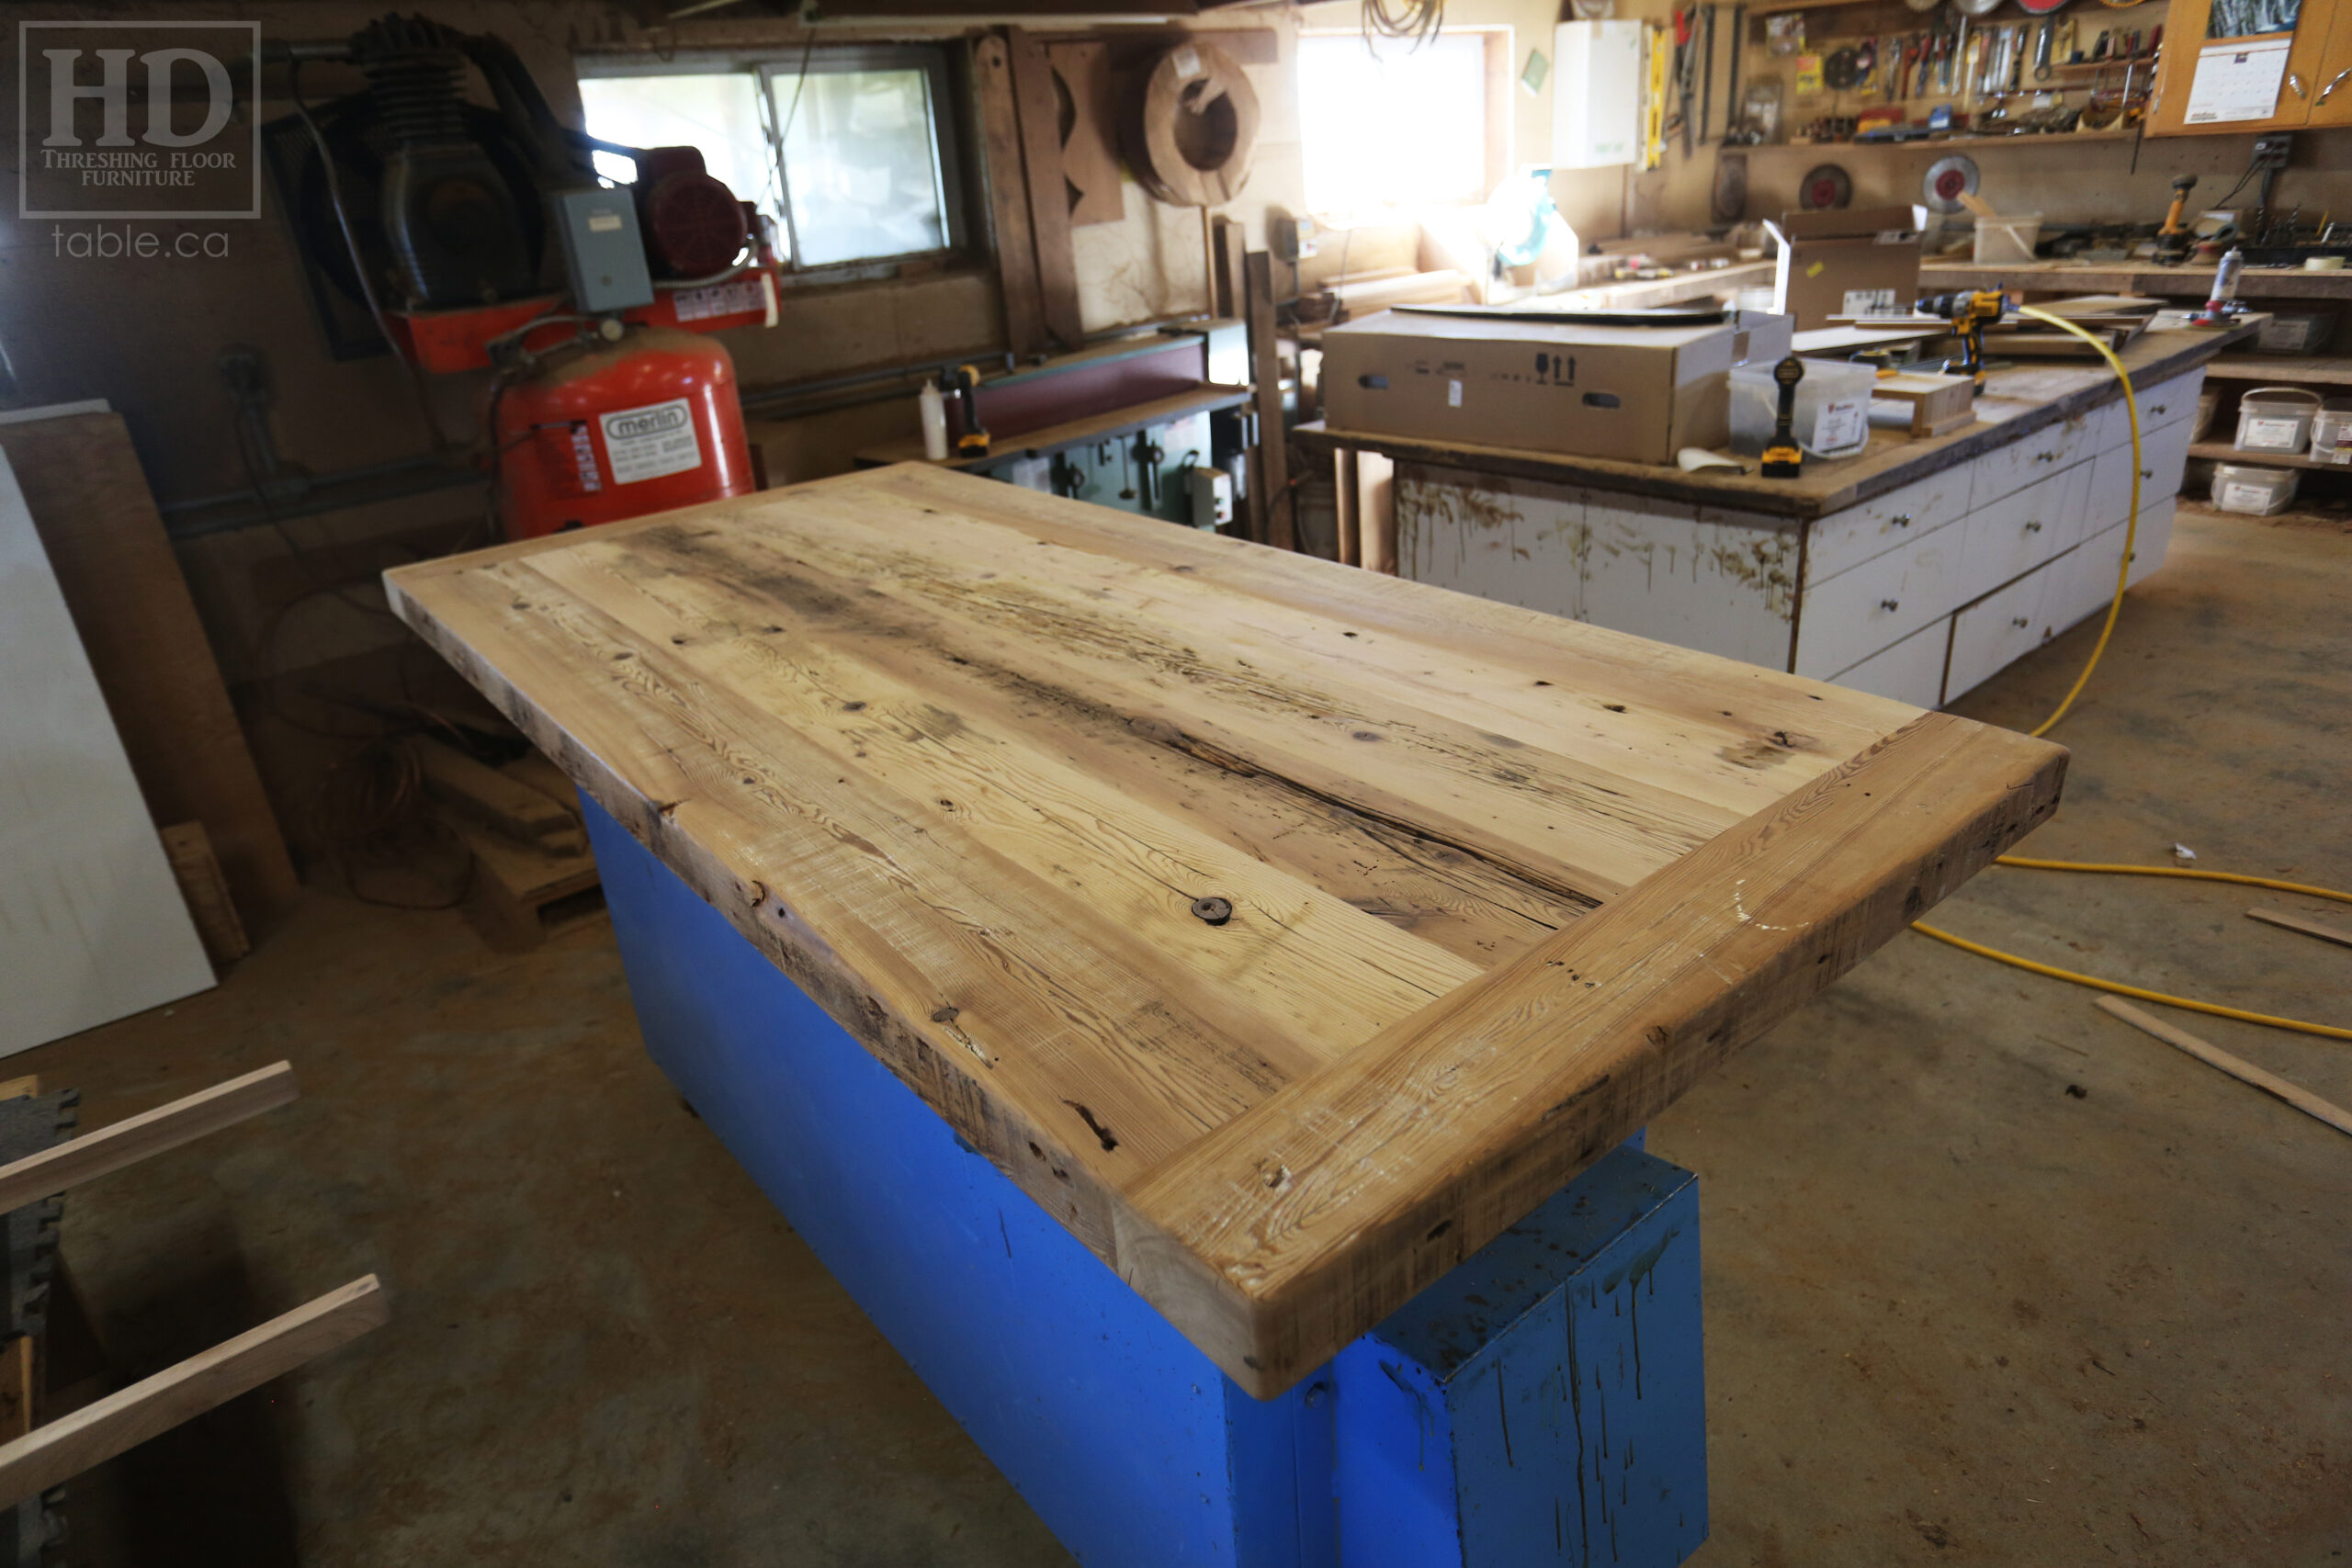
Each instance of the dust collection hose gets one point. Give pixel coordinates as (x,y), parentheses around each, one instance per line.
(2115,607)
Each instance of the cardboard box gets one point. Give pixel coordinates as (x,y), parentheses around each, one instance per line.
(1638,393)
(1862,261)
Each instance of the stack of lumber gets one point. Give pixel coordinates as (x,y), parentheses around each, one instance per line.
(533,874)
(1367,293)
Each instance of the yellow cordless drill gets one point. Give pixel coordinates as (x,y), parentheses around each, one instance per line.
(1970,311)
(961,387)
(1784,459)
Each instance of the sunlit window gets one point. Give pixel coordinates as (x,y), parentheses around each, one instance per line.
(1397,129)
(851,150)
(717,112)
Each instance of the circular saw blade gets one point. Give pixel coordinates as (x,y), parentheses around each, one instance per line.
(1824,187)
(1949,178)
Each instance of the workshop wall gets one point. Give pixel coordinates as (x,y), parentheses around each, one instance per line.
(146,333)
(2073,182)
(2062,178)
(1594,201)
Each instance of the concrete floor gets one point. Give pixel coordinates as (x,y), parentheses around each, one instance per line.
(1991,1277)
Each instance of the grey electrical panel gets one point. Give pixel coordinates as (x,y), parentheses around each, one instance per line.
(603,253)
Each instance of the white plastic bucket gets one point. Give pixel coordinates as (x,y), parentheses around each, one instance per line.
(2006,242)
(2257,493)
(2277,420)
(2331,432)
(1833,412)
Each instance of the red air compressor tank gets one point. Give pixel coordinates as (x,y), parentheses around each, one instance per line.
(620,430)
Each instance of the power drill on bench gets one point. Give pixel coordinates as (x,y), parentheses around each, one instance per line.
(1970,311)
(1784,459)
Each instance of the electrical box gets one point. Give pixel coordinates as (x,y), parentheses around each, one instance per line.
(603,253)
(1596,94)
(1211,491)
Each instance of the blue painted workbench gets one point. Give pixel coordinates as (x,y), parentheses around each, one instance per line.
(1541,1404)
(1196,998)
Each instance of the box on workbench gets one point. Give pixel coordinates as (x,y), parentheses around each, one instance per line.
(1540,383)
(1860,262)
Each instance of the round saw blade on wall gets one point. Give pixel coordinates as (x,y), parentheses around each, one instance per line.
(1825,186)
(1949,177)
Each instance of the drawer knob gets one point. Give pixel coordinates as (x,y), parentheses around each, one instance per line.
(1890,605)
(2019,621)
(2045,457)
(2155,408)
(2033,527)
(2147,473)
(1901,520)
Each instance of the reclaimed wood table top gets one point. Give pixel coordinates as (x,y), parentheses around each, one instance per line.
(1285,929)
(2017,401)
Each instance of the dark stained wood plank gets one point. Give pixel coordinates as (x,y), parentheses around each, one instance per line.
(1016,250)
(1039,109)
(1265,370)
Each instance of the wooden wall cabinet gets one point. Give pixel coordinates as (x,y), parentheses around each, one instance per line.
(2331,94)
(2317,88)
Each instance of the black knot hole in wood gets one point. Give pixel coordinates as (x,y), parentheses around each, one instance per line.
(1213,909)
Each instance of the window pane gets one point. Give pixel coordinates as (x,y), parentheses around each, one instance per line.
(862,164)
(718,113)
(1403,128)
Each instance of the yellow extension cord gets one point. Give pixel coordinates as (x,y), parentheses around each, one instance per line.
(2115,608)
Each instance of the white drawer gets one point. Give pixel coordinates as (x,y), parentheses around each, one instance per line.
(2160,405)
(1888,597)
(2053,449)
(2001,627)
(2090,582)
(2018,533)
(1910,671)
(1845,539)
(2164,454)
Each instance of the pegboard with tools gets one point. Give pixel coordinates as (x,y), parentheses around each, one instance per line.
(1884,72)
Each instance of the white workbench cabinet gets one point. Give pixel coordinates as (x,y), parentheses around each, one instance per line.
(1918,594)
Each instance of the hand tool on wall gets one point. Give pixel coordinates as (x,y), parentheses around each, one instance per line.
(1784,459)
(1686,69)
(1739,48)
(2044,42)
(2175,238)
(1707,71)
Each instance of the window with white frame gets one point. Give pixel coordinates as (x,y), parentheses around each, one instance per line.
(851,148)
(1388,129)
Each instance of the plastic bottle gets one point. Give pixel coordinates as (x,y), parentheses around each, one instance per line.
(935,423)
(2226,277)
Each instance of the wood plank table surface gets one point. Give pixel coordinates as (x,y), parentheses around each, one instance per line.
(1285,929)
(2015,403)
